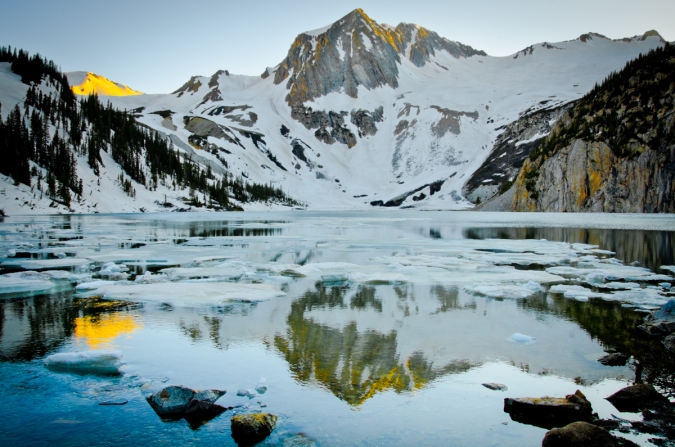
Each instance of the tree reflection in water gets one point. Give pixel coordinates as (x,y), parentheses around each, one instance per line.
(31,328)
(651,249)
(615,328)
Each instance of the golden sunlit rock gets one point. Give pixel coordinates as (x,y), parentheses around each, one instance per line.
(100,85)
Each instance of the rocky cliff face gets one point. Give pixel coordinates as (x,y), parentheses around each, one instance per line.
(512,147)
(587,176)
(356,51)
(614,151)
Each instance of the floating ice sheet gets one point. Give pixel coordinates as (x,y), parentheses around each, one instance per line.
(185,294)
(514,291)
(24,282)
(99,362)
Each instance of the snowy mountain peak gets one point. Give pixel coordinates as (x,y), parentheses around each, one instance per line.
(87,83)
(357,51)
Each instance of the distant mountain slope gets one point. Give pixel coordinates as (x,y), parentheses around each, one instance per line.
(614,151)
(87,83)
(361,115)
(64,155)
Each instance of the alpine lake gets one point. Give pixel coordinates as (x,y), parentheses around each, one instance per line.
(369,328)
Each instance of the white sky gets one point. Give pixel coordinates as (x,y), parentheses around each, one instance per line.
(155,46)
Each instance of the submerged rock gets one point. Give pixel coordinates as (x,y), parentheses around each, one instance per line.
(299,440)
(496,386)
(581,434)
(114,402)
(549,412)
(614,359)
(634,398)
(669,342)
(248,429)
(201,411)
(261,387)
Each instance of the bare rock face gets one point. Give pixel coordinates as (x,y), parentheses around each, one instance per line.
(356,51)
(549,412)
(510,150)
(587,176)
(249,429)
(578,434)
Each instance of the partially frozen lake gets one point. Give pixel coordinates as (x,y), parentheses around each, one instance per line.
(369,328)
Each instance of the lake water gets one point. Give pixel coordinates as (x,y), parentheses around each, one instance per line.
(369,328)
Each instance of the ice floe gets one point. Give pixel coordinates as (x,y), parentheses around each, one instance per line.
(100,362)
(185,294)
(25,282)
(505,290)
(522,338)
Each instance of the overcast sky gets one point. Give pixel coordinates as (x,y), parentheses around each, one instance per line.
(155,45)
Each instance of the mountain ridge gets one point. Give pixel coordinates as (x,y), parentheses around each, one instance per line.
(410,134)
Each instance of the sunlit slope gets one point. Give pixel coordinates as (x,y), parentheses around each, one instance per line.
(86,83)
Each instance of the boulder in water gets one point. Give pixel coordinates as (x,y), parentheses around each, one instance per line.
(549,412)
(249,429)
(578,434)
(634,398)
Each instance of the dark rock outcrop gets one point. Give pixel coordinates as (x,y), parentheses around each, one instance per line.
(190,86)
(249,429)
(634,398)
(614,359)
(365,120)
(669,342)
(578,434)
(549,412)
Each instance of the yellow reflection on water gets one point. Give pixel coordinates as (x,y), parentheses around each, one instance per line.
(99,331)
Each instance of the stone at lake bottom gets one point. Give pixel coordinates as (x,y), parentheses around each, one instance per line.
(114,402)
(171,402)
(634,398)
(614,359)
(549,412)
(248,429)
(578,434)
(496,386)
(201,411)
(299,440)
(669,342)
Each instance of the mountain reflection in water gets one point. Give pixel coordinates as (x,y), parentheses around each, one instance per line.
(354,365)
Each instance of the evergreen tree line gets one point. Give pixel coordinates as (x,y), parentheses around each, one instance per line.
(627,110)
(86,128)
